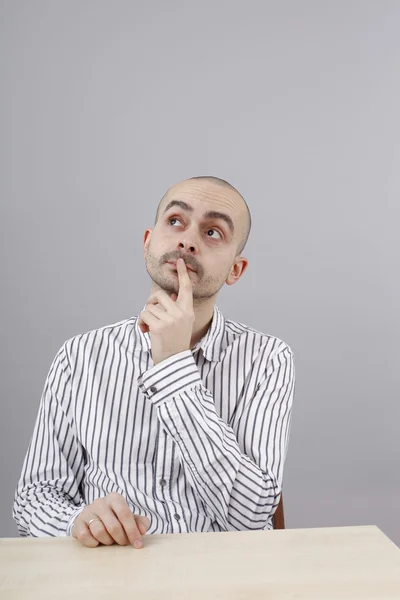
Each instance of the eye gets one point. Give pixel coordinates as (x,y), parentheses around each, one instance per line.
(210,233)
(174,221)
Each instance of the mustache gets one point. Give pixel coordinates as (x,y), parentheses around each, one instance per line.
(189,260)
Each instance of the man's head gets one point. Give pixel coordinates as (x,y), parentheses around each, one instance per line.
(205,221)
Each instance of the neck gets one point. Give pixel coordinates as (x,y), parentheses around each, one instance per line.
(203,314)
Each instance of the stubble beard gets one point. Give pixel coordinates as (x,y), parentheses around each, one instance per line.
(204,288)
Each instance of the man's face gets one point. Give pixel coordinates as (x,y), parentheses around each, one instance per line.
(203,223)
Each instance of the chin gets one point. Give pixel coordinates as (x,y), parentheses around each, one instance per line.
(167,284)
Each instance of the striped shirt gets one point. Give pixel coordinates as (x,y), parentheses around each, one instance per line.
(195,443)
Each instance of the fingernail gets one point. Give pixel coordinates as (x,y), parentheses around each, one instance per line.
(138,544)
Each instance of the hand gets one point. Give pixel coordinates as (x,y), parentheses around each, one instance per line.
(115,522)
(170,322)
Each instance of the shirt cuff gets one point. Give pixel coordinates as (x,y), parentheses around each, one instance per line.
(71,522)
(172,376)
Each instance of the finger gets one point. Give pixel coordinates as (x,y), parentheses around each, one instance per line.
(114,527)
(160,313)
(100,533)
(143,523)
(82,533)
(128,522)
(162,299)
(149,319)
(142,326)
(174,297)
(185,294)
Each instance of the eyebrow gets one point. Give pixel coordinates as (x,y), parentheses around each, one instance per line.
(212,214)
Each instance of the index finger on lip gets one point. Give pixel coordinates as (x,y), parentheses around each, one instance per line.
(183,275)
(185,283)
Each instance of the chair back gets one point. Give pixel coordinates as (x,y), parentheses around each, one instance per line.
(278,519)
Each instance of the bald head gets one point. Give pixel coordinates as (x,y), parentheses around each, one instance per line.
(246,220)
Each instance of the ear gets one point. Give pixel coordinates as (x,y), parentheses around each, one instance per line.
(146,240)
(237,270)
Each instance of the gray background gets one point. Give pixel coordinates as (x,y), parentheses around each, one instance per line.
(104,105)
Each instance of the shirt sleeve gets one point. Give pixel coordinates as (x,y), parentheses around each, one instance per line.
(236,470)
(47,498)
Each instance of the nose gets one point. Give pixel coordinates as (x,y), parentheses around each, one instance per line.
(187,247)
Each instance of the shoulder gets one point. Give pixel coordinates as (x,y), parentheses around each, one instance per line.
(267,344)
(119,331)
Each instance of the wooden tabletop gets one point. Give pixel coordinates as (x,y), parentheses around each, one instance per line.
(328,563)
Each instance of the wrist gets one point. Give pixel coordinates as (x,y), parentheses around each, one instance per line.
(73,518)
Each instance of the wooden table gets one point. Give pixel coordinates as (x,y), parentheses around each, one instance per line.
(334,563)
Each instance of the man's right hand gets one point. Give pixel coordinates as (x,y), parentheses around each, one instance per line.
(114,522)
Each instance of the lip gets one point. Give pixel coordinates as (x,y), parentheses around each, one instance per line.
(173,264)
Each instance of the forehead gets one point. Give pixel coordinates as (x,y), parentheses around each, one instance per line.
(205,196)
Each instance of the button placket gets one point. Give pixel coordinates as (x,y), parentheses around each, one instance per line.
(164,455)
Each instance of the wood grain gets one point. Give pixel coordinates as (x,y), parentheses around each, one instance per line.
(328,563)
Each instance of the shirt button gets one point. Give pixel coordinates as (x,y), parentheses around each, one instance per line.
(177,517)
(153,389)
(163,482)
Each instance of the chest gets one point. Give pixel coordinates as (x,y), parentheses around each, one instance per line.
(115,422)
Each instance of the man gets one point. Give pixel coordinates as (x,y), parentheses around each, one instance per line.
(175,421)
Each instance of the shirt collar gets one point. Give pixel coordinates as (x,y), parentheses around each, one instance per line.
(211,344)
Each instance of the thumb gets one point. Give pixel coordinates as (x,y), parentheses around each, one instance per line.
(143,524)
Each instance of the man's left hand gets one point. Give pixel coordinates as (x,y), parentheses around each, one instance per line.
(170,322)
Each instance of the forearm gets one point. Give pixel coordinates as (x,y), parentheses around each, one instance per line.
(238,492)
(237,474)
(41,509)
(47,497)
